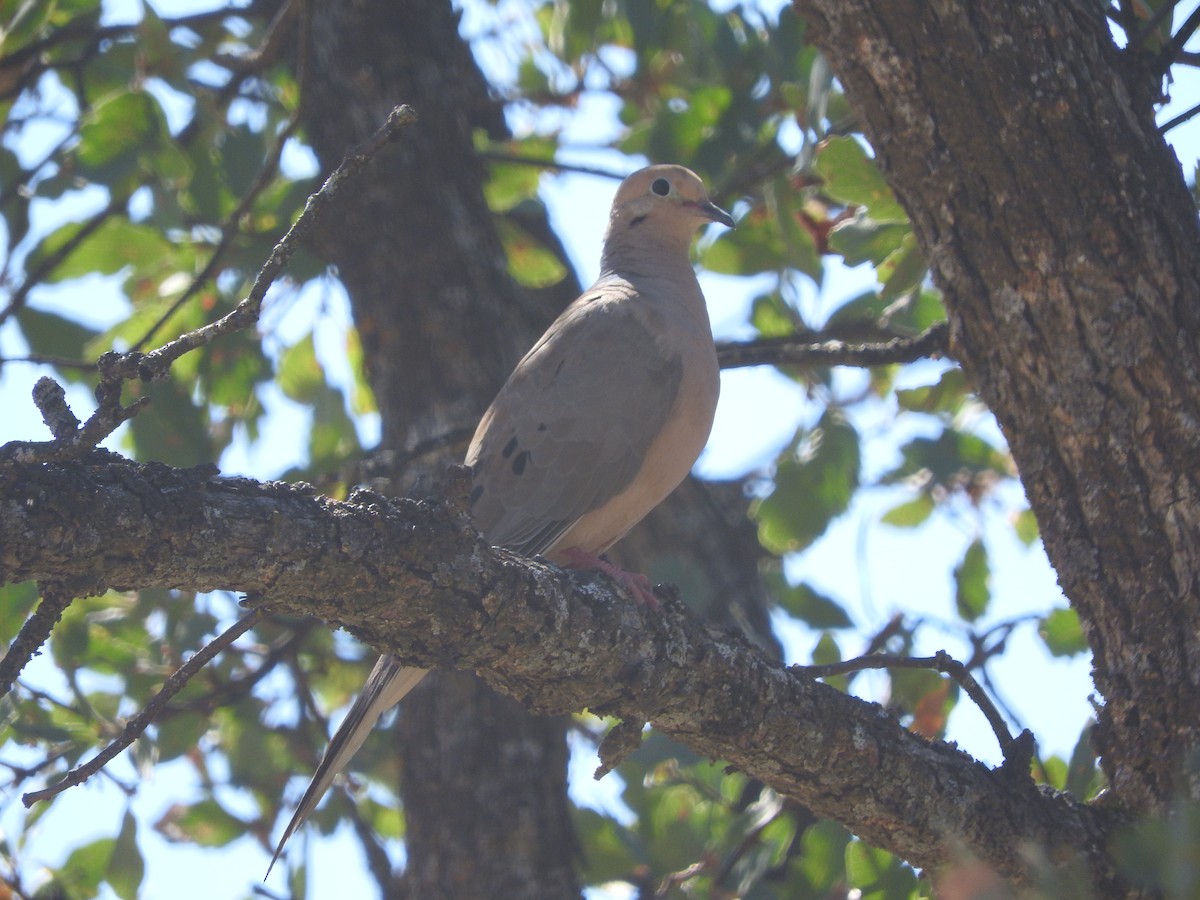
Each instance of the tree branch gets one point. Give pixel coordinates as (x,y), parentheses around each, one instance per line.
(139,723)
(792,351)
(416,579)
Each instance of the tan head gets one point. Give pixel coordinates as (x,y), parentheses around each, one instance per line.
(662,204)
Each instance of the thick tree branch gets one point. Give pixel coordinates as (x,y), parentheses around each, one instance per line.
(415,578)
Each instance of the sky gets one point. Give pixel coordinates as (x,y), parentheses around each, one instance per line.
(877,570)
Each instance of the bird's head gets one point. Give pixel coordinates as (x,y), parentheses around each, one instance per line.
(664,202)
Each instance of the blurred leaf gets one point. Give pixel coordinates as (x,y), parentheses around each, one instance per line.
(823,857)
(50,334)
(609,854)
(878,874)
(173,429)
(529,261)
(813,486)
(772,316)
(946,396)
(206,823)
(125,138)
(179,734)
(972,577)
(826,651)
(300,375)
(17,600)
(126,868)
(1161,854)
(904,270)
(948,457)
(910,513)
(1084,778)
(1026,527)
(852,177)
(511,183)
(115,244)
(861,239)
(83,872)
(805,603)
(1062,633)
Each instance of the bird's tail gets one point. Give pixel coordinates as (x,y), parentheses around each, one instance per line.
(388,683)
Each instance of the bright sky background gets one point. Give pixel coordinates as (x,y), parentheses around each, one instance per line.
(875,569)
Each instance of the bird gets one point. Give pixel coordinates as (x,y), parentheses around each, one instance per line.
(597,424)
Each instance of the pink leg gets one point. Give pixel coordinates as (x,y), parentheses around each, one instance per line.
(638,585)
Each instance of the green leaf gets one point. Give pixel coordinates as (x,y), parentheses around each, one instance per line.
(772,316)
(1062,633)
(1084,778)
(946,396)
(173,429)
(904,270)
(861,239)
(972,577)
(50,334)
(877,874)
(949,458)
(17,600)
(124,138)
(206,823)
(911,513)
(126,868)
(805,603)
(511,183)
(852,177)
(115,244)
(813,486)
(529,261)
(83,872)
(609,855)
(1026,527)
(826,651)
(180,734)
(300,375)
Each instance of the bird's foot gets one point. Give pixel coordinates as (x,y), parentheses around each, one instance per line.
(636,584)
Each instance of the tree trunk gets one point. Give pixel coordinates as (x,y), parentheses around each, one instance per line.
(1023,145)
(484,782)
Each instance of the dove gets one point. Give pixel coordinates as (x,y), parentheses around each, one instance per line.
(597,424)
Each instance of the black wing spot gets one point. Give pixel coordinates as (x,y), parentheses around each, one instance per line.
(476,493)
(520,462)
(541,426)
(509,447)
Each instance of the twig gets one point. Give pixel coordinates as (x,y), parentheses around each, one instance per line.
(939,662)
(1179,120)
(16,300)
(34,633)
(117,368)
(797,352)
(138,724)
(268,171)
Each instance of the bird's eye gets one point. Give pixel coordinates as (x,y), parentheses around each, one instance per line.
(661,186)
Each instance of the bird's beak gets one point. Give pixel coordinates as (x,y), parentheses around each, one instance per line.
(713,212)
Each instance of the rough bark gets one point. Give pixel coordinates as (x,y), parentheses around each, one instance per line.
(414,577)
(1023,144)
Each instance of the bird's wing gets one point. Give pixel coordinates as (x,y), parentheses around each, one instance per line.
(571,427)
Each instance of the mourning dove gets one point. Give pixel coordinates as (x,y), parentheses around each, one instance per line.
(596,425)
